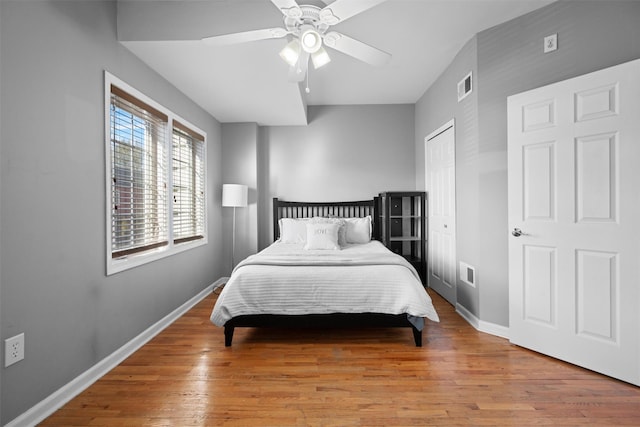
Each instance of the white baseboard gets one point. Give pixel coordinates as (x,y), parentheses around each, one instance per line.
(481,325)
(220,282)
(59,398)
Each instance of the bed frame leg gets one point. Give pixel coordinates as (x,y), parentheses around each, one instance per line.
(417,336)
(228,335)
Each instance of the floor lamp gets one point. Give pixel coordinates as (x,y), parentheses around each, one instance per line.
(234,196)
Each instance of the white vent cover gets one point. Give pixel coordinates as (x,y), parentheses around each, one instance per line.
(467,274)
(465,86)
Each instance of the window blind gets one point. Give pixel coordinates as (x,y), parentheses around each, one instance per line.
(188,184)
(139,175)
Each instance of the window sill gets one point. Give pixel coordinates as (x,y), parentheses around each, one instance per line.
(135,260)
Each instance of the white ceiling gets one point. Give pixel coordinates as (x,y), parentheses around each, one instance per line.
(249,82)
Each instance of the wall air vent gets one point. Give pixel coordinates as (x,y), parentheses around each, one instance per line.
(465,86)
(468,274)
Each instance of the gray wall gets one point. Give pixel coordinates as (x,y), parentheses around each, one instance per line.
(52,198)
(1,162)
(591,35)
(345,153)
(436,107)
(240,166)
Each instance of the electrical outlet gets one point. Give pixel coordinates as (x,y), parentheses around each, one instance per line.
(13,350)
(550,43)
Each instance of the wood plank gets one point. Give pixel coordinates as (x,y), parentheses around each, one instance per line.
(375,377)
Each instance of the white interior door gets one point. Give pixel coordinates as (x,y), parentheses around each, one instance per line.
(441,193)
(574,151)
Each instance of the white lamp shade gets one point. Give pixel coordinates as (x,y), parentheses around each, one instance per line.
(291,52)
(320,58)
(234,195)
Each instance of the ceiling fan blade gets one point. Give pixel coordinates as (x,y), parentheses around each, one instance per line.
(246,36)
(341,10)
(288,8)
(357,49)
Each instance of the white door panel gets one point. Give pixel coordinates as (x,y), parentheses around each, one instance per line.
(574,169)
(539,299)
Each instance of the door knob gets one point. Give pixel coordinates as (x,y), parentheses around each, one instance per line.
(517,232)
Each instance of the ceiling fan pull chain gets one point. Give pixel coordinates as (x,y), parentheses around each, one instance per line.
(307,88)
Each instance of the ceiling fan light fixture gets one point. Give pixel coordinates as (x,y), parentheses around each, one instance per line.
(291,52)
(311,41)
(320,58)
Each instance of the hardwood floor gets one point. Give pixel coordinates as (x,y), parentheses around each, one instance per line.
(186,377)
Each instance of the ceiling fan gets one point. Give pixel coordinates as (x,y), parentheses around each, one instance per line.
(309,28)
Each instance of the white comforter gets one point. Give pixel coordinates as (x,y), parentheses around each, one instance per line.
(361,278)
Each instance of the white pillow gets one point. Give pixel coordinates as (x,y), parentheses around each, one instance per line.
(293,230)
(358,230)
(322,236)
(342,231)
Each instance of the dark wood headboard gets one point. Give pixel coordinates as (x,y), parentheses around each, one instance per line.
(361,208)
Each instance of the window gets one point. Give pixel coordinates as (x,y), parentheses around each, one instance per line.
(188,184)
(138,175)
(151,212)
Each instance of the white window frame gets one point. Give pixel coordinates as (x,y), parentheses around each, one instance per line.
(130,261)
(197,207)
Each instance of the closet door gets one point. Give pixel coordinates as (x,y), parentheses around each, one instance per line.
(574,212)
(441,189)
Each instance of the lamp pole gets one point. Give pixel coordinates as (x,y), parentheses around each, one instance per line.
(233,242)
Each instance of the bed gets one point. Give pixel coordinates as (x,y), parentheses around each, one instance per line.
(326,269)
